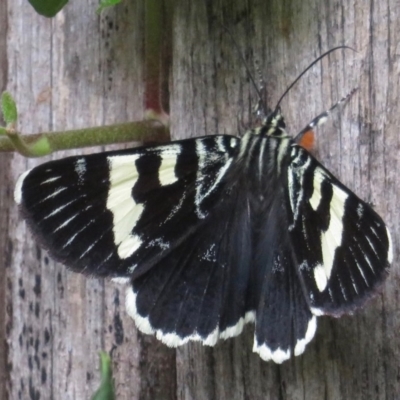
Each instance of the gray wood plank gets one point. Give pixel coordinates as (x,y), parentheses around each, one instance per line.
(82,70)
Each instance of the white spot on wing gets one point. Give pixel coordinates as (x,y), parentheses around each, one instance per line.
(342,289)
(70,240)
(317,311)
(159,243)
(209,255)
(171,339)
(278,355)
(304,266)
(296,173)
(352,282)
(331,239)
(320,277)
(59,209)
(54,178)
(220,144)
(316,197)
(361,272)
(128,246)
(203,161)
(131,268)
(200,150)
(176,208)
(174,340)
(18,187)
(210,340)
(237,329)
(54,194)
(126,212)
(106,259)
(302,343)
(80,169)
(250,317)
(169,157)
(66,222)
(374,231)
(372,246)
(220,175)
(142,323)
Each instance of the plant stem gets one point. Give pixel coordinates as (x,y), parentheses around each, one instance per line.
(142,131)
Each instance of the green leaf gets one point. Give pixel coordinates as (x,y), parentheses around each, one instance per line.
(107,3)
(106,389)
(48,8)
(9,108)
(3,131)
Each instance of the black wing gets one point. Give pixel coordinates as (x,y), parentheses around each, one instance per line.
(342,247)
(198,291)
(172,218)
(318,249)
(107,213)
(284,322)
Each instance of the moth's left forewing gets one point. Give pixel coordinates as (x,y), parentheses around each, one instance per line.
(92,212)
(171,218)
(342,246)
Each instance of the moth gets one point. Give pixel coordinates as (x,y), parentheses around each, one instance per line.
(214,232)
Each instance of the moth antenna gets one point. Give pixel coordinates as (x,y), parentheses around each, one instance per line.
(261,106)
(308,68)
(260,77)
(261,100)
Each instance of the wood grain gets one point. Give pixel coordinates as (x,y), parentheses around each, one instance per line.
(80,69)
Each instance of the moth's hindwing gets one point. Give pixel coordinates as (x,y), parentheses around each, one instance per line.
(284,322)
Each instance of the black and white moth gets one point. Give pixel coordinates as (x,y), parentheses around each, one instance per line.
(212,233)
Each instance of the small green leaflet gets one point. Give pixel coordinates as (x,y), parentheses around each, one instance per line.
(107,3)
(48,8)
(8,108)
(106,390)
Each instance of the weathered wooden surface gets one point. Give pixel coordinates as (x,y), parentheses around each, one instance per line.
(80,70)
(5,202)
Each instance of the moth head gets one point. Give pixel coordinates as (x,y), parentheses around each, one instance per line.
(274,125)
